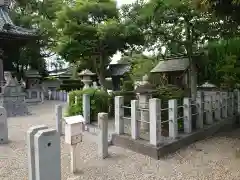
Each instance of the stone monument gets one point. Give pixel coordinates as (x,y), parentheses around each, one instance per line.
(12,97)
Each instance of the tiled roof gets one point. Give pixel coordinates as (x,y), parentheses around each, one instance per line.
(118,69)
(176,64)
(7,26)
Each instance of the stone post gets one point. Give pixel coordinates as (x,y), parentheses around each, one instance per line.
(187,114)
(173,122)
(208,108)
(76,100)
(68,100)
(103,135)
(200,110)
(47,155)
(134,119)
(59,117)
(3,126)
(31,150)
(224,104)
(86,108)
(119,113)
(155,120)
(237,102)
(144,106)
(230,104)
(218,107)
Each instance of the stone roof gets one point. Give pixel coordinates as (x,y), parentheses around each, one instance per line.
(118,69)
(171,65)
(32,73)
(86,72)
(7,27)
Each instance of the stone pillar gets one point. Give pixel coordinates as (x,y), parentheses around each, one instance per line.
(134,119)
(47,155)
(224,104)
(155,120)
(172,115)
(200,110)
(119,112)
(218,107)
(59,117)
(86,108)
(144,106)
(187,114)
(237,102)
(3,126)
(31,150)
(103,135)
(208,108)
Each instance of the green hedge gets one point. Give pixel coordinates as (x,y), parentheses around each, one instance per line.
(70,85)
(99,102)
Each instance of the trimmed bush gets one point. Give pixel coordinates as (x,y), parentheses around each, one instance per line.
(99,102)
(70,85)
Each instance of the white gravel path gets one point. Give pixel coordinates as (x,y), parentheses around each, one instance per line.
(212,159)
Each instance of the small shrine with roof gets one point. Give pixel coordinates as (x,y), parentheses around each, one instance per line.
(12,38)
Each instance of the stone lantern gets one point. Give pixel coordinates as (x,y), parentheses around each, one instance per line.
(144,92)
(86,78)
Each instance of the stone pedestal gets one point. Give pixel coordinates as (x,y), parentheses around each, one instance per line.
(143,105)
(12,98)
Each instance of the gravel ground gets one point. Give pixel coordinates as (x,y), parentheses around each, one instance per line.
(211,159)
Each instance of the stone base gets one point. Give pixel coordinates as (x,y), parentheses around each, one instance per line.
(14,105)
(156,152)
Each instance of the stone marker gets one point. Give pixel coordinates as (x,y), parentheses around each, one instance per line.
(47,155)
(86,108)
(58,111)
(31,150)
(103,135)
(3,126)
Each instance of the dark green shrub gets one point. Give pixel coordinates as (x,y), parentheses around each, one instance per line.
(166,93)
(127,86)
(99,102)
(70,85)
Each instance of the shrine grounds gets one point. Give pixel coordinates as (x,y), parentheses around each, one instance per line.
(210,159)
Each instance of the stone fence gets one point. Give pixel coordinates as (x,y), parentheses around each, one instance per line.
(209,108)
(58,95)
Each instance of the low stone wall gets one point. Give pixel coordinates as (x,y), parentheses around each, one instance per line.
(156,152)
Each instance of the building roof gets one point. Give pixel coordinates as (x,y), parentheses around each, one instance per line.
(118,69)
(176,64)
(7,27)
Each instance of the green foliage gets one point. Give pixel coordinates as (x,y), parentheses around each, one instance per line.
(127,86)
(99,102)
(91,33)
(223,62)
(70,85)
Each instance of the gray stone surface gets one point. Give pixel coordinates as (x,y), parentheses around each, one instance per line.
(31,150)
(12,98)
(86,108)
(47,155)
(3,126)
(59,118)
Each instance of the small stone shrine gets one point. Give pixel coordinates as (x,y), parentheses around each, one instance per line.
(12,97)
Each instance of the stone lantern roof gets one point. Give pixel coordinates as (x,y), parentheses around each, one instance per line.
(31,73)
(146,89)
(86,72)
